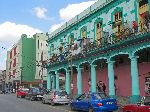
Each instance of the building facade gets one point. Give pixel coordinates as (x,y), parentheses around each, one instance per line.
(108,42)
(25,61)
(41,57)
(2,80)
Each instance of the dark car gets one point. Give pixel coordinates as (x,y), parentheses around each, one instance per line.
(143,106)
(94,102)
(35,94)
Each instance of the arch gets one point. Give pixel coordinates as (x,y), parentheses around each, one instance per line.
(84,62)
(140,48)
(99,58)
(61,68)
(118,54)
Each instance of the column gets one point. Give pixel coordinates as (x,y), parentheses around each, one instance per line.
(57,80)
(67,82)
(93,78)
(111,78)
(134,75)
(48,81)
(79,81)
(54,82)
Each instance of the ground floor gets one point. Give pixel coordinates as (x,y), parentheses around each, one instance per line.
(124,71)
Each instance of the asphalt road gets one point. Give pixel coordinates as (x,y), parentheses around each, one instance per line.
(9,103)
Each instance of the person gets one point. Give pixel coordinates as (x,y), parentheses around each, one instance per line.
(100,86)
(89,83)
(135,27)
(104,88)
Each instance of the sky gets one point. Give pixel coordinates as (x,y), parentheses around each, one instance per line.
(33,16)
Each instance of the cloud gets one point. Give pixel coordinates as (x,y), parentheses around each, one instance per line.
(41,13)
(10,34)
(55,26)
(74,9)
(71,11)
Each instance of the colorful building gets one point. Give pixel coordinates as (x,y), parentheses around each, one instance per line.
(108,42)
(22,65)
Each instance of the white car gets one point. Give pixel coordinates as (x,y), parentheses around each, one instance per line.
(56,97)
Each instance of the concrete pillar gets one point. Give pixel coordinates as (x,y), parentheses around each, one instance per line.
(134,75)
(111,78)
(79,81)
(57,80)
(93,78)
(48,81)
(67,83)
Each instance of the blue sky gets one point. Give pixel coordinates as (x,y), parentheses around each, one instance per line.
(31,16)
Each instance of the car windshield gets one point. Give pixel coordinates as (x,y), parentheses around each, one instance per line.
(100,96)
(62,93)
(35,90)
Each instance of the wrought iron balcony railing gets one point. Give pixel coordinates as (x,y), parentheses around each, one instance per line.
(82,50)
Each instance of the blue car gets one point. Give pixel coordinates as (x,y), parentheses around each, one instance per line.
(94,102)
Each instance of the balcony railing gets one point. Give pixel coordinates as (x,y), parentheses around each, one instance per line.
(108,39)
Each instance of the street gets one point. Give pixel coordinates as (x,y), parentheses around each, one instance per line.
(9,103)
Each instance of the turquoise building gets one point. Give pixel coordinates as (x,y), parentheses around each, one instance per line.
(108,42)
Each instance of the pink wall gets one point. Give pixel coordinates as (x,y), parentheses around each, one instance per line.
(75,84)
(123,83)
(143,69)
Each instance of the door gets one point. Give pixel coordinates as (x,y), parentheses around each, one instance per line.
(79,104)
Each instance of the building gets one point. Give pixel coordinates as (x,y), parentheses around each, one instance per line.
(2,80)
(41,56)
(22,62)
(108,42)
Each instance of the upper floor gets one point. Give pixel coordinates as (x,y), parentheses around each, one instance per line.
(104,23)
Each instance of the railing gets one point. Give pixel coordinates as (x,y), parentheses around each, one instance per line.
(113,38)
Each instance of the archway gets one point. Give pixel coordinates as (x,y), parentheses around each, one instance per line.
(86,77)
(102,72)
(122,75)
(144,70)
(62,73)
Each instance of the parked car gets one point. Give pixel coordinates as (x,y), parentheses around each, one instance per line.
(22,92)
(56,97)
(35,94)
(142,106)
(94,102)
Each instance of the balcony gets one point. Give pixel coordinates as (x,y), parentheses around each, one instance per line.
(127,34)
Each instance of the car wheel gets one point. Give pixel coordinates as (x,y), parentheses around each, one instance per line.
(43,101)
(31,99)
(72,109)
(91,110)
(52,103)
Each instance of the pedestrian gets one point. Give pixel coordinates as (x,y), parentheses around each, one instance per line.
(104,88)
(100,86)
(89,83)
(135,27)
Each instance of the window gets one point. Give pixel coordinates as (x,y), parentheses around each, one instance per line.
(118,16)
(98,33)
(10,54)
(15,51)
(38,44)
(84,33)
(143,2)
(14,64)
(14,73)
(10,65)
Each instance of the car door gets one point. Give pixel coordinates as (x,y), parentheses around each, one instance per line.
(144,108)
(79,104)
(86,102)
